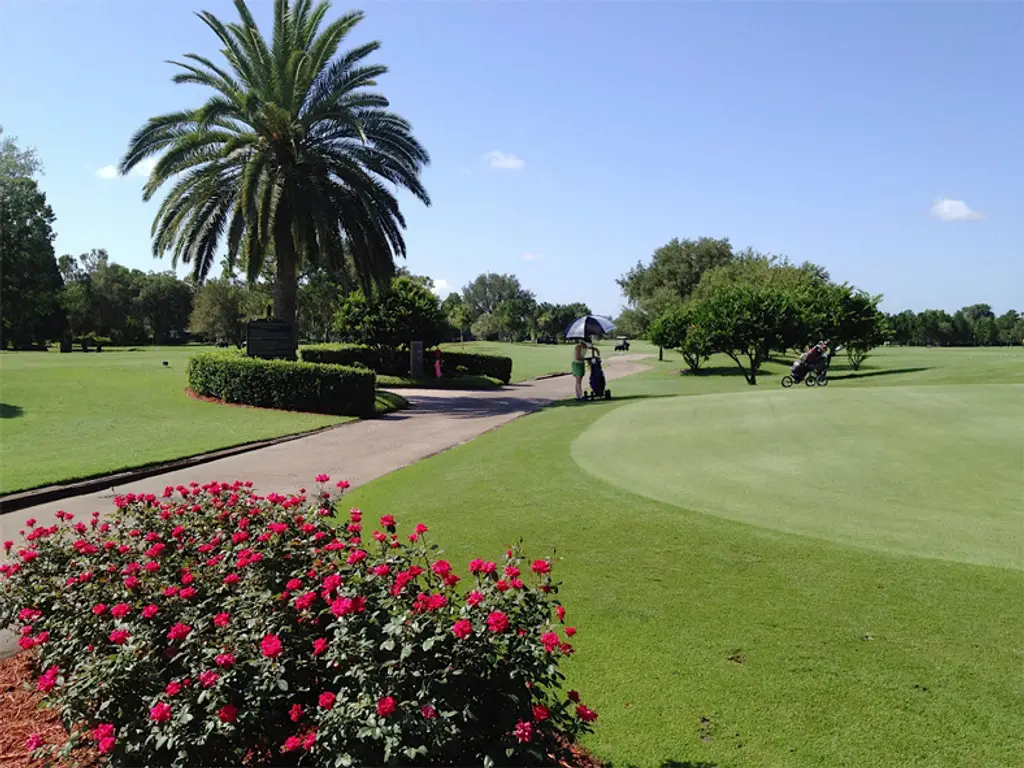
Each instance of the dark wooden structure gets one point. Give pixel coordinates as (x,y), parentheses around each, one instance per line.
(270,340)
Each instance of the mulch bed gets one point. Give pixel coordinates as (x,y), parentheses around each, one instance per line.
(21,717)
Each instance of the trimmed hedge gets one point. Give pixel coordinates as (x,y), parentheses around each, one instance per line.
(395,363)
(283,384)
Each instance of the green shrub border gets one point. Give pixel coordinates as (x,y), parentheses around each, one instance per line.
(392,363)
(282,384)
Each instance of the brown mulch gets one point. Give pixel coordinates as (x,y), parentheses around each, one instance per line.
(21,716)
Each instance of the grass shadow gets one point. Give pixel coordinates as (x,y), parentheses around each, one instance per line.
(670,764)
(8,411)
(572,401)
(868,374)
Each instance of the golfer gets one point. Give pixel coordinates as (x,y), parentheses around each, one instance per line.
(579,355)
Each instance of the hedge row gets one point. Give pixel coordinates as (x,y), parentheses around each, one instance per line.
(282,384)
(394,363)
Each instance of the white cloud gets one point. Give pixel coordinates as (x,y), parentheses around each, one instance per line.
(954,210)
(530,257)
(142,170)
(441,287)
(504,161)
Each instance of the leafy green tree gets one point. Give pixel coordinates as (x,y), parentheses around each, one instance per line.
(904,327)
(218,311)
(633,323)
(486,327)
(677,329)
(859,326)
(165,306)
(513,317)
(291,154)
(487,291)
(408,312)
(321,294)
(746,322)
(675,270)
(30,281)
(457,312)
(1011,328)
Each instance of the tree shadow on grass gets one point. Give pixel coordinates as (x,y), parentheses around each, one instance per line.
(10,411)
(574,403)
(862,374)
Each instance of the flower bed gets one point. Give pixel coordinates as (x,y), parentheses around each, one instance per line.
(214,626)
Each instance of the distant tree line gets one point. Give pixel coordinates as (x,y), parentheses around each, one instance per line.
(973,326)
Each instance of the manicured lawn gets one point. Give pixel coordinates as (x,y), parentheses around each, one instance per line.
(754,582)
(71,416)
(463,382)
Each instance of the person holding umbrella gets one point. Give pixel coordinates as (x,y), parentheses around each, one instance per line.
(579,367)
(582,329)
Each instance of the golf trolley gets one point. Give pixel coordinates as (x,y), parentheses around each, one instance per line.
(597,382)
(813,375)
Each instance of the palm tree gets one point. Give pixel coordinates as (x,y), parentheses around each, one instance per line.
(290,158)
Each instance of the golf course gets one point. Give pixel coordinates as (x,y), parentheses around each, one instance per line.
(768,577)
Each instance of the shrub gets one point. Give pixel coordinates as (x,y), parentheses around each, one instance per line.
(282,384)
(211,626)
(392,363)
(384,361)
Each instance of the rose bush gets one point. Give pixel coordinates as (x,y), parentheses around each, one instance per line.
(212,626)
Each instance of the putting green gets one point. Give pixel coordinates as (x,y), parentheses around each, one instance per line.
(930,471)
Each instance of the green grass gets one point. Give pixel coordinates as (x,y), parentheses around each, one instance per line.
(70,416)
(712,634)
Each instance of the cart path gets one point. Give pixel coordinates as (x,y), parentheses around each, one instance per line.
(358,451)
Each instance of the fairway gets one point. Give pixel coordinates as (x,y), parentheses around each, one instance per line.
(929,471)
(75,415)
(764,577)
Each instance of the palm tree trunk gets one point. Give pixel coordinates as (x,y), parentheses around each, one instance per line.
(286,283)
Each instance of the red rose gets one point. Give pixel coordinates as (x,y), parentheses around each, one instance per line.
(381,570)
(271,646)
(99,609)
(295,713)
(388,521)
(221,619)
(323,478)
(326,700)
(173,688)
(561,613)
(573,696)
(319,646)
(232,578)
(441,567)
(463,628)
(187,593)
(511,571)
(550,641)
(208,678)
(131,582)
(343,484)
(34,742)
(501,585)
(523,731)
(170,592)
(474,598)
(161,713)
(149,611)
(187,578)
(120,610)
(179,631)
(421,529)
(293,584)
(570,631)
(102,731)
(356,557)
(386,706)
(302,602)
(585,714)
(428,712)
(119,637)
(540,713)
(224,660)
(497,621)
(228,713)
(541,566)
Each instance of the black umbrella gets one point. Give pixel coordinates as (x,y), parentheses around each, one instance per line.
(590,325)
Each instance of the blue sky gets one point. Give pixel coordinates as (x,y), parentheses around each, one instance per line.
(570,139)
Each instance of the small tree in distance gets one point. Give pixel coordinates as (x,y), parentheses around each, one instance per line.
(408,312)
(676,329)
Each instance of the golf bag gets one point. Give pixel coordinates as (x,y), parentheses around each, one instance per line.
(800,368)
(597,382)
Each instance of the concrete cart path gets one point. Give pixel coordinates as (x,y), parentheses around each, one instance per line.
(358,452)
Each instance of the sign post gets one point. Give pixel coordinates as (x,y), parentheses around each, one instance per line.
(416,359)
(270,340)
